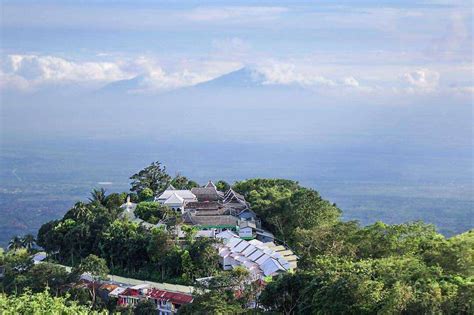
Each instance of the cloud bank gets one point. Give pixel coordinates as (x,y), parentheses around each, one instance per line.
(30,72)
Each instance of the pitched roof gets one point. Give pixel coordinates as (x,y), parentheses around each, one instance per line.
(210,184)
(245,224)
(174,199)
(185,194)
(207,193)
(175,298)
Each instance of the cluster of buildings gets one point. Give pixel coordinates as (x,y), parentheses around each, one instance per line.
(168,298)
(210,210)
(227,216)
(262,260)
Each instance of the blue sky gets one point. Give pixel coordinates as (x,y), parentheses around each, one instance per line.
(382,48)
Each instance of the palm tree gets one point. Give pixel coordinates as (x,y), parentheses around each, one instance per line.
(29,242)
(81,210)
(98,195)
(15,243)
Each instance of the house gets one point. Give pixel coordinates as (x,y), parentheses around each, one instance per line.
(208,193)
(234,202)
(176,199)
(247,215)
(247,230)
(117,291)
(260,259)
(264,236)
(132,295)
(166,302)
(206,222)
(39,257)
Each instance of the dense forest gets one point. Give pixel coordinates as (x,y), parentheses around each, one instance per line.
(343,267)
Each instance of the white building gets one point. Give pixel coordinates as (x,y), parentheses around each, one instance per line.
(247,230)
(260,259)
(176,199)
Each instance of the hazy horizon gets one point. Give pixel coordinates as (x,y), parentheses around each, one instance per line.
(368,102)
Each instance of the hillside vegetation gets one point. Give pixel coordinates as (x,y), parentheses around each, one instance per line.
(343,267)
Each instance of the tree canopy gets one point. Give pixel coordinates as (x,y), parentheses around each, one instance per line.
(343,268)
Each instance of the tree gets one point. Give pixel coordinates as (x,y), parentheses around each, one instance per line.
(286,293)
(222,185)
(153,177)
(47,237)
(182,182)
(46,275)
(97,268)
(284,205)
(145,307)
(40,303)
(226,293)
(114,201)
(15,243)
(212,302)
(152,212)
(146,194)
(29,242)
(99,196)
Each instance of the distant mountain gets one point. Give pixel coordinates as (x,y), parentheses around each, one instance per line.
(124,86)
(242,78)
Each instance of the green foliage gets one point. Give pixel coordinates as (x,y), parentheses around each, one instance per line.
(218,295)
(146,194)
(152,212)
(45,275)
(93,265)
(15,243)
(97,268)
(222,185)
(145,307)
(181,182)
(114,201)
(283,206)
(213,303)
(153,177)
(29,242)
(40,303)
(342,268)
(16,265)
(98,196)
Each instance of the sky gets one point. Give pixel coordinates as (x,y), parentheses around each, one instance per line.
(386,49)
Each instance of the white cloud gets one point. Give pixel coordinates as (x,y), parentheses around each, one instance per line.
(29,72)
(33,72)
(350,81)
(26,71)
(288,73)
(422,80)
(234,13)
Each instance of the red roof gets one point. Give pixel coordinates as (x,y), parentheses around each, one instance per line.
(130,292)
(175,298)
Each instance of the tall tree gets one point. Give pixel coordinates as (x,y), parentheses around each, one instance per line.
(97,268)
(182,182)
(153,176)
(15,243)
(99,196)
(29,242)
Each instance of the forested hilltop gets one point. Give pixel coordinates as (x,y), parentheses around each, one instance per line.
(343,267)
